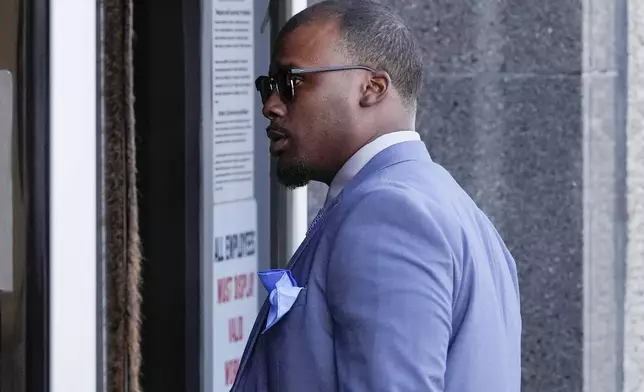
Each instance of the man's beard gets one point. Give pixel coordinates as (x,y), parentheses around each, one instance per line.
(294,175)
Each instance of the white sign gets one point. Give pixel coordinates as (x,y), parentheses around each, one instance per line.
(234,287)
(233,97)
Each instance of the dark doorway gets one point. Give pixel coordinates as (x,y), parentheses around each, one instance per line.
(167,109)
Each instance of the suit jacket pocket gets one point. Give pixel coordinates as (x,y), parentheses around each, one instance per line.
(301,298)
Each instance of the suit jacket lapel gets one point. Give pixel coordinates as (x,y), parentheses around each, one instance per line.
(263,313)
(311,234)
(252,340)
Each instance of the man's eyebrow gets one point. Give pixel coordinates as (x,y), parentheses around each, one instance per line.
(288,65)
(281,66)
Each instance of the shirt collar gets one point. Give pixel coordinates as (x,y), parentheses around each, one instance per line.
(362,157)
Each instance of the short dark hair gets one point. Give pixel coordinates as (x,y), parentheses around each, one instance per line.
(374,36)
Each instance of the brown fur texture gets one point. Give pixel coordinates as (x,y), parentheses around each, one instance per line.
(123,250)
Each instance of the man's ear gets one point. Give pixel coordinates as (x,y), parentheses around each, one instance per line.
(376,88)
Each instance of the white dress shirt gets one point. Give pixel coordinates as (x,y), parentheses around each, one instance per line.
(362,157)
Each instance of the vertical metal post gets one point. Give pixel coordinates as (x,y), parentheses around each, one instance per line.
(33,123)
(277,10)
(296,200)
(289,209)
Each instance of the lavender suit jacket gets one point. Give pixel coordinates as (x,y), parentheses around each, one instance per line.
(407,287)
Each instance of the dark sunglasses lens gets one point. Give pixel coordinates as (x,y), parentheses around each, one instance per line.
(285,87)
(263,85)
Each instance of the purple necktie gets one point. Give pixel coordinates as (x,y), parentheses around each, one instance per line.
(315,221)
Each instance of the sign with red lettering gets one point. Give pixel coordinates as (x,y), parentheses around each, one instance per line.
(234,291)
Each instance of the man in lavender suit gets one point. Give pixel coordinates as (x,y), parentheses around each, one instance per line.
(402,283)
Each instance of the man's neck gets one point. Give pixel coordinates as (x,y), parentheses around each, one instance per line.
(367,133)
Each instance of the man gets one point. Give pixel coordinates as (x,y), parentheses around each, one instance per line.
(402,283)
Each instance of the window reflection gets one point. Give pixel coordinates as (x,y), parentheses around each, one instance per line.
(12,215)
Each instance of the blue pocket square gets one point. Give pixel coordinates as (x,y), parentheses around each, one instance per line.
(283,292)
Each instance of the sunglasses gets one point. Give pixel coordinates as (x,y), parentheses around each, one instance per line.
(283,82)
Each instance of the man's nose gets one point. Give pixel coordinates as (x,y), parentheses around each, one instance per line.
(274,107)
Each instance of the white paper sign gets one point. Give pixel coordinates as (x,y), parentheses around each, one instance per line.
(235,287)
(233,97)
